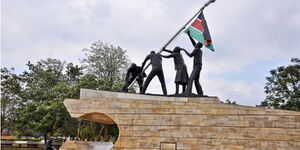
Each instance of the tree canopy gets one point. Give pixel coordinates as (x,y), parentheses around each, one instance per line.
(45,86)
(32,102)
(10,99)
(283,87)
(107,63)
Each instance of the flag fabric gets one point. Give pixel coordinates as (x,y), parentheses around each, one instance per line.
(199,31)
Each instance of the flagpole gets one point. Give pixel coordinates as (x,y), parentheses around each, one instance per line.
(175,35)
(184,26)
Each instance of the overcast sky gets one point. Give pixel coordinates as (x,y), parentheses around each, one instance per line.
(250,37)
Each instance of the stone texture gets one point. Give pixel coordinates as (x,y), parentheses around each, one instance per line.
(156,122)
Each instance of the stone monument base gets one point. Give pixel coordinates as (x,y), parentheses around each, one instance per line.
(155,122)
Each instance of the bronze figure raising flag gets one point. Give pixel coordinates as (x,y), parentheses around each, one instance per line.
(207,38)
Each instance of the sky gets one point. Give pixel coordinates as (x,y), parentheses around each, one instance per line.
(250,37)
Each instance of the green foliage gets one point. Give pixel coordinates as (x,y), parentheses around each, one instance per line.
(107,63)
(32,102)
(283,87)
(45,86)
(91,130)
(10,101)
(94,131)
(230,102)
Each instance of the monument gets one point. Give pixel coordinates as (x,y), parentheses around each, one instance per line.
(197,30)
(182,121)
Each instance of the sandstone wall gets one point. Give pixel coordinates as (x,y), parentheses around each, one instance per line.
(154,122)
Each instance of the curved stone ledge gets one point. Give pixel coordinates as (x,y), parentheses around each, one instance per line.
(157,122)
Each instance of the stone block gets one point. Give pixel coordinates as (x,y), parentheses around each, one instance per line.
(168,146)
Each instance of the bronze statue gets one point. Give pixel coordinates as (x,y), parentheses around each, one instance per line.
(195,75)
(156,63)
(133,72)
(180,67)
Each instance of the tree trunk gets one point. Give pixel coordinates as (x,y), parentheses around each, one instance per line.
(45,138)
(54,128)
(78,129)
(105,134)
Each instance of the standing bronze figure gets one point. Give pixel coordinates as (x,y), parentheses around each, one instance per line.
(195,75)
(156,63)
(133,72)
(180,67)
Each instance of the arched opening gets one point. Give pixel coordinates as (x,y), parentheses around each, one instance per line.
(97,117)
(98,129)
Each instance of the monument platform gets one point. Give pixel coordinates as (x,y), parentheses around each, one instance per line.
(175,123)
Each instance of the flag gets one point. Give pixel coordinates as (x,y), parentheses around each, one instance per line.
(200,32)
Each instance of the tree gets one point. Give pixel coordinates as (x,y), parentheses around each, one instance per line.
(283,87)
(108,64)
(230,102)
(33,100)
(45,86)
(72,78)
(10,101)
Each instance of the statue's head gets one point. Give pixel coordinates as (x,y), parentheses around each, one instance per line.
(199,45)
(133,65)
(152,52)
(176,49)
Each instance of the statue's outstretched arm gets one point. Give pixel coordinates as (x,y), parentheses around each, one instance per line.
(192,40)
(166,56)
(166,50)
(144,62)
(187,53)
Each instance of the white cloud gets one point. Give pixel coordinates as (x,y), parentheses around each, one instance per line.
(242,92)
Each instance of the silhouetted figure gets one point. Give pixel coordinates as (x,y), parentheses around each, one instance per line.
(48,145)
(133,72)
(180,67)
(156,71)
(195,75)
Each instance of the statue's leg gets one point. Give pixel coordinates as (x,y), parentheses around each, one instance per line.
(140,83)
(183,87)
(162,82)
(197,83)
(148,79)
(190,82)
(177,88)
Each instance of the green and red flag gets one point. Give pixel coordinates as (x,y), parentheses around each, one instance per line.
(199,31)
